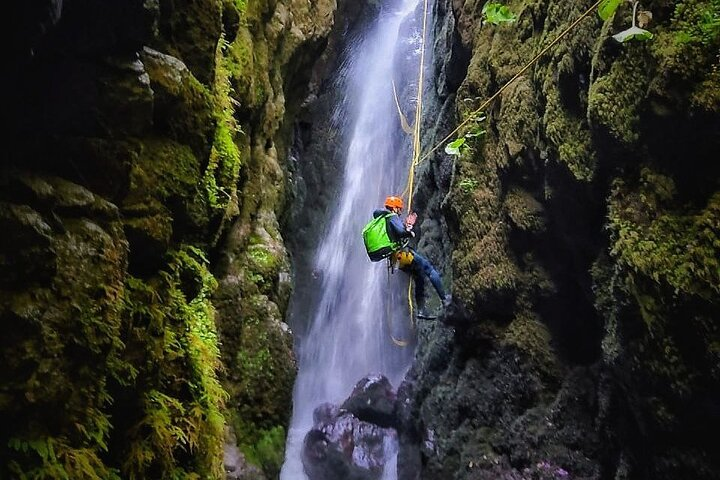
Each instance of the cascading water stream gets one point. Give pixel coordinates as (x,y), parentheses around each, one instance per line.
(348,336)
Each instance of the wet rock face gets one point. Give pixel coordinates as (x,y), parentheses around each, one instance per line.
(584,334)
(348,442)
(373,400)
(126,170)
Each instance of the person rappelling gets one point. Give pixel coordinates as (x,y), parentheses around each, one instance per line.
(386,236)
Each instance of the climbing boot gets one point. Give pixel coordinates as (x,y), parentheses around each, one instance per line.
(422,312)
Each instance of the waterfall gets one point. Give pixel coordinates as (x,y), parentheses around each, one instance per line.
(348,333)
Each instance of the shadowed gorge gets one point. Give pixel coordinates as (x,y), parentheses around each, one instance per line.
(183,289)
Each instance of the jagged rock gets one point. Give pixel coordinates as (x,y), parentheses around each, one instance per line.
(341,446)
(182,105)
(373,400)
(196,27)
(353,441)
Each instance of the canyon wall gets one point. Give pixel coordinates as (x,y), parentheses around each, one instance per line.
(144,276)
(584,250)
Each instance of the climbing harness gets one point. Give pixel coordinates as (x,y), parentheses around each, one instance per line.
(417,158)
(403,258)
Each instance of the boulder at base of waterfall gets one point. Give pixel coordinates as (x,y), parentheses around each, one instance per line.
(341,446)
(373,400)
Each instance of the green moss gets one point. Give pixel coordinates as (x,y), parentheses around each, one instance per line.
(530,336)
(249,67)
(688,50)
(569,134)
(697,22)
(482,265)
(150,219)
(164,190)
(256,11)
(61,344)
(163,170)
(680,249)
(467,185)
(615,97)
(265,448)
(261,258)
(240,64)
(183,104)
(259,365)
(269,452)
(262,87)
(221,175)
(525,212)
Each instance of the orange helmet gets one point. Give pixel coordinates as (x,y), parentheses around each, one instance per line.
(393,202)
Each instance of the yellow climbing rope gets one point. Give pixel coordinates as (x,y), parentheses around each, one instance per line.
(417,158)
(418,112)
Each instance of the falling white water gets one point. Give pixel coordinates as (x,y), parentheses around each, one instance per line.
(348,334)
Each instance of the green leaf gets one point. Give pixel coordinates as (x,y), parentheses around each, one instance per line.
(455,147)
(633,33)
(607,8)
(497,13)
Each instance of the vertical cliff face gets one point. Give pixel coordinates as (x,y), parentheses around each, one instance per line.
(584,227)
(269,60)
(144,141)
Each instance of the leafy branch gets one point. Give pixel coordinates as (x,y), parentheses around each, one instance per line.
(460,145)
(608,7)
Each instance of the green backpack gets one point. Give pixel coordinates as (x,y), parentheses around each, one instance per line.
(377,242)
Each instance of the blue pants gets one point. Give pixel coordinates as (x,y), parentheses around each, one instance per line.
(419,269)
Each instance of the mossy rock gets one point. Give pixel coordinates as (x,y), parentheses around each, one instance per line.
(190,30)
(166,173)
(62,344)
(530,336)
(182,106)
(257,346)
(615,98)
(241,64)
(680,249)
(525,212)
(148,227)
